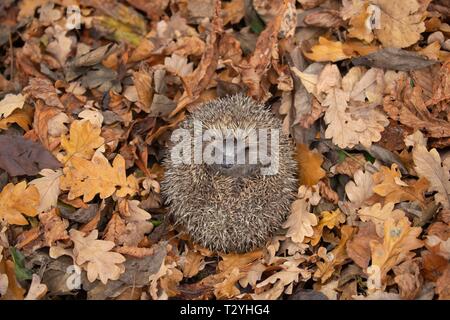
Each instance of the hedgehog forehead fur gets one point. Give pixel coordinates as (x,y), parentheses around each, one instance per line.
(236,209)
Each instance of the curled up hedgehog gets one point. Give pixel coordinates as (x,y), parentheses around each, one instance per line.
(229,188)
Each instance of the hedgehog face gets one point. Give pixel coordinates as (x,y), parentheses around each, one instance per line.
(240,191)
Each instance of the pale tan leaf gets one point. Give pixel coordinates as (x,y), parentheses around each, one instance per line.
(48,187)
(95,256)
(10,103)
(428,165)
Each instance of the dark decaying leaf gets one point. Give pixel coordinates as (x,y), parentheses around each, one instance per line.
(19,156)
(395,59)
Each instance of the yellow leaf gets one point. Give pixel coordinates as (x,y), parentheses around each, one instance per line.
(330,219)
(21,117)
(399,240)
(359,27)
(16,200)
(389,185)
(84,139)
(88,178)
(327,50)
(95,257)
(309,165)
(334,258)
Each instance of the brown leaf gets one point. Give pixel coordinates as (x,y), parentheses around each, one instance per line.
(408,278)
(334,258)
(393,59)
(54,226)
(358,247)
(198,80)
(309,165)
(19,156)
(389,185)
(40,88)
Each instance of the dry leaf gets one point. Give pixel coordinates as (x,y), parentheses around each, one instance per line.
(428,165)
(83,141)
(300,222)
(95,256)
(54,227)
(335,258)
(10,103)
(329,219)
(359,190)
(37,289)
(309,163)
(327,50)
(378,215)
(389,185)
(88,178)
(48,187)
(18,200)
(399,239)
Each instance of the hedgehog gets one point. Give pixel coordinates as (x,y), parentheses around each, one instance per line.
(230,206)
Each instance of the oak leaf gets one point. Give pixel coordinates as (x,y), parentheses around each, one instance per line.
(378,215)
(329,219)
(428,165)
(87,178)
(300,222)
(327,50)
(10,103)
(54,227)
(95,256)
(398,242)
(334,258)
(359,190)
(84,139)
(48,187)
(309,163)
(18,200)
(389,185)
(401,22)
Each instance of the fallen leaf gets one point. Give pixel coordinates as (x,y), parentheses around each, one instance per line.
(329,219)
(358,247)
(37,289)
(99,262)
(54,227)
(19,156)
(309,163)
(379,215)
(327,50)
(398,242)
(334,258)
(359,190)
(389,185)
(88,178)
(428,165)
(300,223)
(48,187)
(84,139)
(10,103)
(18,200)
